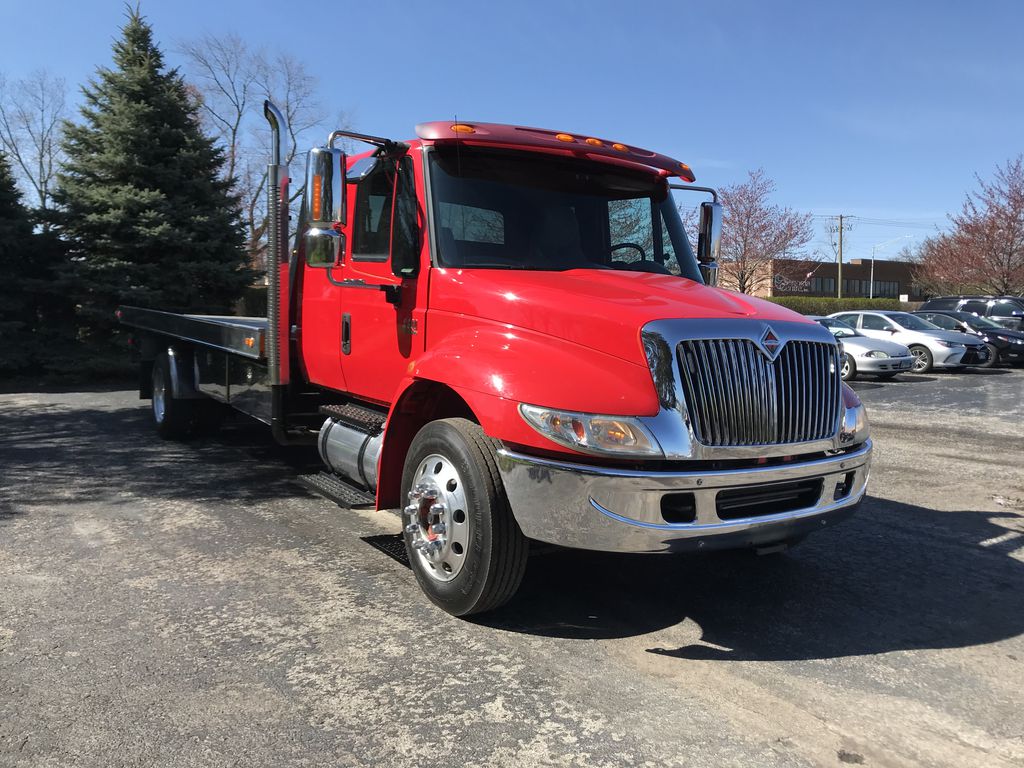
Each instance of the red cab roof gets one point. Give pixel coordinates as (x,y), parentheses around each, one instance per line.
(577,144)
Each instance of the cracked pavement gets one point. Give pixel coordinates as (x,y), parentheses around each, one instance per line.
(187,604)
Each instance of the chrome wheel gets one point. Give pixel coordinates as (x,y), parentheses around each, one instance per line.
(922,360)
(436,518)
(847,368)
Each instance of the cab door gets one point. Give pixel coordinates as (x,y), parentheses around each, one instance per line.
(381,317)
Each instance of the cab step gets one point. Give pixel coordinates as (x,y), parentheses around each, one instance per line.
(332,487)
(356,416)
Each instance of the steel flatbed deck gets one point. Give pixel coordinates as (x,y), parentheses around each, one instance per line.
(243,336)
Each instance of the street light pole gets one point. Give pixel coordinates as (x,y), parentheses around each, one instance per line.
(871,284)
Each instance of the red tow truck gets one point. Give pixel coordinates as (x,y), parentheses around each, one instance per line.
(505,332)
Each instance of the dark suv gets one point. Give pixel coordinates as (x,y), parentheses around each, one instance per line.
(1004,345)
(1008,311)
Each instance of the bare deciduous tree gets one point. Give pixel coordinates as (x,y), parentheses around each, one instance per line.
(984,251)
(755,233)
(32,112)
(233,80)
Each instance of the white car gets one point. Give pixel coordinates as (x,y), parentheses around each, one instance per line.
(862,354)
(931,346)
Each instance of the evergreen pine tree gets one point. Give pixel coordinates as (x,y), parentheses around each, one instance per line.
(147,218)
(16,305)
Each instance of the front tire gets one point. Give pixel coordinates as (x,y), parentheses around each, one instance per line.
(922,359)
(993,357)
(465,547)
(174,418)
(849,370)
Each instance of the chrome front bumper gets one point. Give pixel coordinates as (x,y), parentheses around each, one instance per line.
(614,510)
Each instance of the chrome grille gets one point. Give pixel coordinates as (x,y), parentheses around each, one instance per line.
(737,396)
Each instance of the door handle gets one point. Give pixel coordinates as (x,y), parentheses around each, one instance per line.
(346,333)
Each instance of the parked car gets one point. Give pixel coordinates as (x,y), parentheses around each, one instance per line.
(863,354)
(1004,345)
(931,346)
(1008,311)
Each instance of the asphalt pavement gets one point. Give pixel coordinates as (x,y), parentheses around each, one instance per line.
(186,604)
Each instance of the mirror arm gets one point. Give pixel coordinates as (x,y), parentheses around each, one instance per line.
(392,292)
(691,188)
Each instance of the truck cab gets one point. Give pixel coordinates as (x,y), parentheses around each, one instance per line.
(513,340)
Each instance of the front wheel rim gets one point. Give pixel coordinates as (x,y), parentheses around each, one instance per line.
(437,518)
(920,361)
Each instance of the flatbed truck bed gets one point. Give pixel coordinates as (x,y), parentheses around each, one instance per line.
(242,336)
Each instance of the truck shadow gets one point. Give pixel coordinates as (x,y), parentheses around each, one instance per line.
(893,577)
(51,454)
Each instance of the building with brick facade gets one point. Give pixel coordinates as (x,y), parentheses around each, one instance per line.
(801,277)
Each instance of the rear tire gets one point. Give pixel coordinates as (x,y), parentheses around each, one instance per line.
(465,547)
(922,359)
(174,418)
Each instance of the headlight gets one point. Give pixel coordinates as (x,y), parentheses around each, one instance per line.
(590,433)
(1007,339)
(876,353)
(950,344)
(855,427)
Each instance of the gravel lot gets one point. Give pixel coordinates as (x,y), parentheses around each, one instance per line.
(187,604)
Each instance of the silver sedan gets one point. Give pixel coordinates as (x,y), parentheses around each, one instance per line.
(862,354)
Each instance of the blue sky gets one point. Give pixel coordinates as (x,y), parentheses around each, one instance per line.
(883,110)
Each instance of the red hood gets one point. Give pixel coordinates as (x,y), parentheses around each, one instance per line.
(596,308)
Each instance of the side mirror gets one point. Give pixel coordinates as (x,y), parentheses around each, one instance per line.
(325,207)
(709,241)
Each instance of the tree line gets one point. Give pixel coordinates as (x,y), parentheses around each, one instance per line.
(983,251)
(152,196)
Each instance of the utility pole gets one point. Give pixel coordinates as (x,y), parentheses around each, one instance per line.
(839,270)
(833,228)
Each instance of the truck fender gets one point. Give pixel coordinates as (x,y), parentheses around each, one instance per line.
(527,366)
(416,403)
(183,373)
(497,368)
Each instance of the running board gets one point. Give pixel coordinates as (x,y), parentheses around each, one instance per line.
(365,420)
(332,487)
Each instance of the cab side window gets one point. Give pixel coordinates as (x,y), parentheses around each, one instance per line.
(405,254)
(371,230)
(977,307)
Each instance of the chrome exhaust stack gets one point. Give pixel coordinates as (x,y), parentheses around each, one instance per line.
(278,331)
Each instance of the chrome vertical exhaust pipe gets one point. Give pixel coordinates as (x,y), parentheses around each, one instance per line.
(277,272)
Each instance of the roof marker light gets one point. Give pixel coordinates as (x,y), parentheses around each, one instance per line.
(620,147)
(685,167)
(463,128)
(595,142)
(564,137)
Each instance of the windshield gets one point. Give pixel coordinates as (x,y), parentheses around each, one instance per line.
(912,322)
(979,323)
(839,329)
(520,210)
